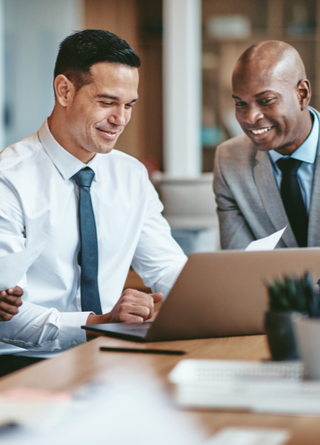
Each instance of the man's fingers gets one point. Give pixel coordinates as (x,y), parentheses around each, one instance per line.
(8,308)
(138,298)
(131,318)
(157,297)
(127,310)
(136,294)
(133,307)
(14,301)
(4,316)
(12,296)
(17,291)
(11,299)
(143,312)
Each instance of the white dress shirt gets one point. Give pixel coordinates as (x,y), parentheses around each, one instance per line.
(306,153)
(39,202)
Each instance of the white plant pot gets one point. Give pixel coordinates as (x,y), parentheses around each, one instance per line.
(307,332)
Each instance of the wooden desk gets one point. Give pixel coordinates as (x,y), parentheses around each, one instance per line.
(81,364)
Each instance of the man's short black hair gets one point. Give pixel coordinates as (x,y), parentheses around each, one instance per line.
(82,49)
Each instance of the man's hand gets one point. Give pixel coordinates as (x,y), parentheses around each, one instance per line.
(10,301)
(132,307)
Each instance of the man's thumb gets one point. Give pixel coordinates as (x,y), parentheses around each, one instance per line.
(158,296)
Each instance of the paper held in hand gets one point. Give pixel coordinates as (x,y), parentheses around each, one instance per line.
(267,243)
(15,265)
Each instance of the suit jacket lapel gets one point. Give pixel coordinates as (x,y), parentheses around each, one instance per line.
(271,198)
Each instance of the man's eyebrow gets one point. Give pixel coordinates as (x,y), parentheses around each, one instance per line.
(109,96)
(263,92)
(256,95)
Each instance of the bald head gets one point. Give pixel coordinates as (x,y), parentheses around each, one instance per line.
(272,95)
(274,56)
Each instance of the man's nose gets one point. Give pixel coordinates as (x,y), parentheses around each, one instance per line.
(252,114)
(118,117)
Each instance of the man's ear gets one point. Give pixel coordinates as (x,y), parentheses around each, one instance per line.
(304,93)
(64,90)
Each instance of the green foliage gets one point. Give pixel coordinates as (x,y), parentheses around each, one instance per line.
(294,294)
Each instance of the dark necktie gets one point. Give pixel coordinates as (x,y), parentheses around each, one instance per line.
(88,255)
(292,199)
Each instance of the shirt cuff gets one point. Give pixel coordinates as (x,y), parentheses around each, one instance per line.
(70,332)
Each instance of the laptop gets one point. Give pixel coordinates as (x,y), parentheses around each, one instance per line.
(218,294)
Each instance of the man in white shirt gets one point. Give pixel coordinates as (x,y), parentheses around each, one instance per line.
(96,81)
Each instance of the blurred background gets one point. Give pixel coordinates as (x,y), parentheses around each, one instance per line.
(188,49)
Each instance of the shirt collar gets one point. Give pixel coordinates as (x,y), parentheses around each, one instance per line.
(67,164)
(308,150)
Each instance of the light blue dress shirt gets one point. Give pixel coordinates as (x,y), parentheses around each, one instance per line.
(306,153)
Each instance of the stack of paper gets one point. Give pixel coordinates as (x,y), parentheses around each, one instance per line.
(265,387)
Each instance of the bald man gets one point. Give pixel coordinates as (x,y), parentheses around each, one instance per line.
(279,147)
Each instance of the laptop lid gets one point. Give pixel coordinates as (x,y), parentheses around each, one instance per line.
(222,293)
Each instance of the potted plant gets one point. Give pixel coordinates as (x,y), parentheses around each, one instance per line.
(286,296)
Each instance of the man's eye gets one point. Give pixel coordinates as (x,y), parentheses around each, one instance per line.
(105,103)
(240,104)
(266,101)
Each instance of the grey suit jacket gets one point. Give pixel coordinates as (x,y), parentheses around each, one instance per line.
(249,201)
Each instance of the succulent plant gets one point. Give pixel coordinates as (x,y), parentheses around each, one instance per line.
(294,294)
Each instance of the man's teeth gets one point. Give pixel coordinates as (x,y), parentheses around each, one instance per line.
(263,130)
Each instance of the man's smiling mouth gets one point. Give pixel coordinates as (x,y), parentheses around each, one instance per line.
(107,131)
(261,130)
(108,134)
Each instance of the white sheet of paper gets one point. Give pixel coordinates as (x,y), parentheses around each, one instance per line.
(249,436)
(267,243)
(15,265)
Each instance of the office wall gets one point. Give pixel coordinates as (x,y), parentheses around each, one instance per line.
(121,18)
(231,27)
(33,30)
(31,34)
(139,23)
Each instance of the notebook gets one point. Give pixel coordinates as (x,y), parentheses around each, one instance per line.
(271,387)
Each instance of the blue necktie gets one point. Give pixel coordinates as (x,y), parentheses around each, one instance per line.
(292,199)
(88,255)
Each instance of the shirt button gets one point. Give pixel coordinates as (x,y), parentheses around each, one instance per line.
(74,343)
